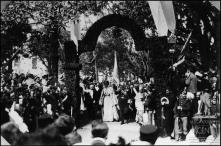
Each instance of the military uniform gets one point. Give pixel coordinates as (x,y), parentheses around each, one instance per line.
(181,116)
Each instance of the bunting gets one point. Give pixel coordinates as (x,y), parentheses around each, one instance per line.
(115,70)
(216,4)
(164,17)
(4,4)
(75,31)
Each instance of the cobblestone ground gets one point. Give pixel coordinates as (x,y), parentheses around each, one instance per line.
(128,131)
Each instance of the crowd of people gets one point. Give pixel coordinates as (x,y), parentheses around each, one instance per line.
(34,106)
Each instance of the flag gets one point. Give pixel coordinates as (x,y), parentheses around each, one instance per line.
(169,15)
(75,32)
(4,4)
(163,15)
(115,71)
(216,4)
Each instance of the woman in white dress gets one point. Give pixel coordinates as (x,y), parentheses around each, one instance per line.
(107,102)
(139,104)
(115,103)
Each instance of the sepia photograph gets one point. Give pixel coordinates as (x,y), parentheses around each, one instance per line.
(110,72)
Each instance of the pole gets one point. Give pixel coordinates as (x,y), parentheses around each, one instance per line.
(96,70)
(188,38)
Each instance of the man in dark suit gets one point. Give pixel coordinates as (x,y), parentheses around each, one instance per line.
(123,105)
(97,93)
(131,95)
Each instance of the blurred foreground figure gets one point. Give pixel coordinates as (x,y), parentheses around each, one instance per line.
(73,138)
(41,138)
(3,141)
(99,132)
(10,132)
(148,135)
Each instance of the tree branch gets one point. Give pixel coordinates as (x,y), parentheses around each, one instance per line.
(11,59)
(43,62)
(130,71)
(133,62)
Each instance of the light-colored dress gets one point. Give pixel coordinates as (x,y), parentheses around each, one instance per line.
(115,105)
(139,106)
(139,101)
(108,104)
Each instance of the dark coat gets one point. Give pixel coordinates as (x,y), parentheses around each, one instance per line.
(186,107)
(4,115)
(123,103)
(96,97)
(131,94)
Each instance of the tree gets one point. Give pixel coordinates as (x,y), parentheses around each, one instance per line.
(52,16)
(199,17)
(13,36)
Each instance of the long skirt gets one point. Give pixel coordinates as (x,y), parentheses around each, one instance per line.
(108,113)
(139,116)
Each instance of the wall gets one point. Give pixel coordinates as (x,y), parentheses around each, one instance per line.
(25,65)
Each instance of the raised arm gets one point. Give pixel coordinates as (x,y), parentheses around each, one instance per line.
(66,97)
(135,91)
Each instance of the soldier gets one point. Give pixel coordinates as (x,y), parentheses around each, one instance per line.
(182,111)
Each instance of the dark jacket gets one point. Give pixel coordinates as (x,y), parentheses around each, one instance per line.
(186,107)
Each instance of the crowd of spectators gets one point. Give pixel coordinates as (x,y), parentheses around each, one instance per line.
(33,111)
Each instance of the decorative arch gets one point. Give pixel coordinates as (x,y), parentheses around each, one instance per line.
(90,40)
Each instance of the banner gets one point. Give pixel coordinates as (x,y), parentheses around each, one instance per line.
(115,71)
(75,32)
(169,15)
(215,4)
(163,15)
(4,4)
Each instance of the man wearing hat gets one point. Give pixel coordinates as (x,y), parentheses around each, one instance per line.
(148,135)
(89,100)
(182,111)
(131,94)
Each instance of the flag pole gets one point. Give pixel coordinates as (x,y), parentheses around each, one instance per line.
(115,71)
(186,42)
(181,58)
(96,70)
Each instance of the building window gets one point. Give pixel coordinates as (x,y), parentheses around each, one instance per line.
(34,63)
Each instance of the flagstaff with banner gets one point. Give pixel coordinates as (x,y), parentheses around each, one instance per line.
(115,70)
(75,31)
(163,16)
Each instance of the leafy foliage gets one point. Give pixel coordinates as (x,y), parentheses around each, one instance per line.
(46,17)
(49,18)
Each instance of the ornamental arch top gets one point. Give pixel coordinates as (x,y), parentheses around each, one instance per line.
(88,43)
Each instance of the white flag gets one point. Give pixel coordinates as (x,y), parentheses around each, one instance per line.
(75,32)
(4,4)
(169,15)
(115,71)
(216,4)
(163,15)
